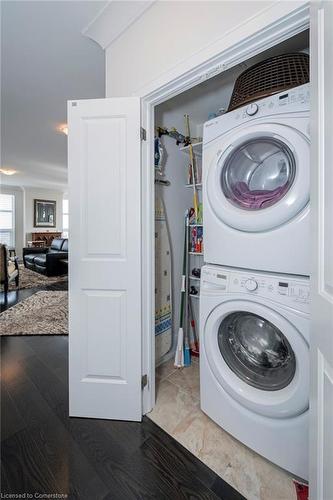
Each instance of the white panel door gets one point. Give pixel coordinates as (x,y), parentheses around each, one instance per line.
(105,258)
(321,340)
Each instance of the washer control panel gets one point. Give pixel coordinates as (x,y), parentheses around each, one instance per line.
(279,288)
(213,278)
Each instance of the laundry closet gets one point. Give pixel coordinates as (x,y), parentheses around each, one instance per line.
(180,225)
(175,190)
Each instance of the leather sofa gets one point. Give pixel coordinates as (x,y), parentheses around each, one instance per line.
(50,261)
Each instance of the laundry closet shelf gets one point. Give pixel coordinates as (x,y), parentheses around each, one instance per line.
(194,278)
(195,225)
(191,185)
(195,253)
(194,296)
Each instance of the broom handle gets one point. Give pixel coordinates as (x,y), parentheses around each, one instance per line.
(179,355)
(183,285)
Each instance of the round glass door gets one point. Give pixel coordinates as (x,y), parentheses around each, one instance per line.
(258,173)
(257,177)
(256,351)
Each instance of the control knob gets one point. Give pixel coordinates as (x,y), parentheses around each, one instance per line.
(252,109)
(251,285)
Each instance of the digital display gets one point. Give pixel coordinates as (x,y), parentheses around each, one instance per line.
(285,285)
(222,276)
(283,96)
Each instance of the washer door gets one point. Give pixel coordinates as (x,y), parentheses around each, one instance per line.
(259,358)
(259,178)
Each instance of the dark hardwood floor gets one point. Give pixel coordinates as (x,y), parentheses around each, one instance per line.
(45,451)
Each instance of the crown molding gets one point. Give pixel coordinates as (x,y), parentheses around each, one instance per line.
(114,19)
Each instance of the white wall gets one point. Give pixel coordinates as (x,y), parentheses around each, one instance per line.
(177,35)
(19,215)
(40,194)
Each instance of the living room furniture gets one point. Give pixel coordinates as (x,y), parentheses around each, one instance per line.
(47,237)
(49,261)
(36,244)
(11,252)
(9,270)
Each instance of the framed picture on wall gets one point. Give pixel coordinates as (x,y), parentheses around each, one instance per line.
(45,213)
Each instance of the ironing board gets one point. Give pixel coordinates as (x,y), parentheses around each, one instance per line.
(163,300)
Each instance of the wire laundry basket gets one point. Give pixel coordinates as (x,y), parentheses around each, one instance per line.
(268,77)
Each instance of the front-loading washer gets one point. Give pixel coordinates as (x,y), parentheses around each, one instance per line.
(254,361)
(256,185)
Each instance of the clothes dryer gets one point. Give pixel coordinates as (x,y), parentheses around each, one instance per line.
(256,182)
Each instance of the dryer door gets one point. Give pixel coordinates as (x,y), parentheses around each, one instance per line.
(259,178)
(259,358)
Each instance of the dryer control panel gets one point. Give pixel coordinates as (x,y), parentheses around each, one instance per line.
(289,290)
(291,101)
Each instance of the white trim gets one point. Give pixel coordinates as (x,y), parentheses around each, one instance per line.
(320,423)
(148,257)
(162,89)
(322,285)
(324,370)
(114,19)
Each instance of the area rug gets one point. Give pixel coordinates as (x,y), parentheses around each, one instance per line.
(44,313)
(30,279)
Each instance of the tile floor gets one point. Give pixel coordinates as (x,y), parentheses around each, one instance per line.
(178,412)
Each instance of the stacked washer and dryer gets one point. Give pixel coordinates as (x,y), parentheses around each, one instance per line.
(254,309)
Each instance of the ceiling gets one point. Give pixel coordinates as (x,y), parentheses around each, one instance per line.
(45,60)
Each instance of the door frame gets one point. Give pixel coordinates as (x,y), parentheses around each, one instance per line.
(285,27)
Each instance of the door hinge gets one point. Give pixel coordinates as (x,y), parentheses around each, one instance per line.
(143,134)
(144,381)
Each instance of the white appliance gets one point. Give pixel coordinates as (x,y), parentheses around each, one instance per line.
(254,361)
(256,175)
